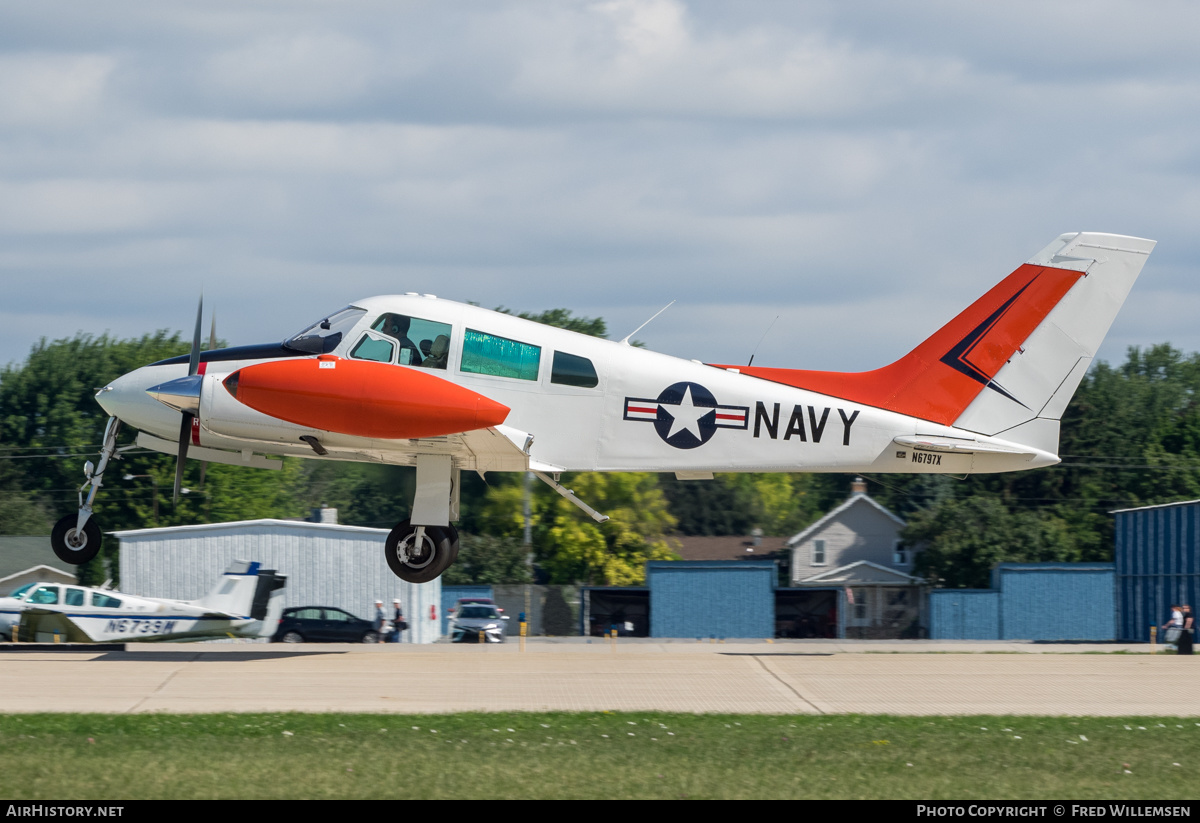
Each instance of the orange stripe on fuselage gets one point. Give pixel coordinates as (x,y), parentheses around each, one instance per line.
(938,380)
(363,398)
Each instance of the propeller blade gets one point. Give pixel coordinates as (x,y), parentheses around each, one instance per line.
(194,360)
(185,426)
(185,436)
(212,345)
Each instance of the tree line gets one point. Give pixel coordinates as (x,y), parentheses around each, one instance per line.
(1130,437)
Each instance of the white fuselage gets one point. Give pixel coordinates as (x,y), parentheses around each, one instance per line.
(645,412)
(103,615)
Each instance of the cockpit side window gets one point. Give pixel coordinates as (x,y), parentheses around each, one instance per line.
(373,347)
(74,597)
(323,336)
(485,353)
(424,343)
(105,601)
(44,596)
(573,370)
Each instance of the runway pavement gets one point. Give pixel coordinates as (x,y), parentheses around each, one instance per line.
(784,677)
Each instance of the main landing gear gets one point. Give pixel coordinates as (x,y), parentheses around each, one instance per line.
(76,538)
(418,554)
(421,548)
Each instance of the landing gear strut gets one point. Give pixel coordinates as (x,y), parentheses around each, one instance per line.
(418,554)
(76,538)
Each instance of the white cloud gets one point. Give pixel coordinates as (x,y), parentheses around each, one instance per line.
(852,162)
(281,71)
(52,89)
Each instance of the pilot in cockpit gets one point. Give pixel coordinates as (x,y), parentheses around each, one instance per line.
(396,325)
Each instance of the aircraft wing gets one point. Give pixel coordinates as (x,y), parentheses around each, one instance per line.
(43,624)
(502,448)
(496,448)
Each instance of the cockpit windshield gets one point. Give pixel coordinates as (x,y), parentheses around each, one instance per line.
(17,594)
(323,336)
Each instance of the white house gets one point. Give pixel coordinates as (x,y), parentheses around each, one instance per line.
(856,549)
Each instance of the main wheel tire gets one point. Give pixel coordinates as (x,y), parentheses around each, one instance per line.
(293,637)
(71,546)
(421,563)
(452,533)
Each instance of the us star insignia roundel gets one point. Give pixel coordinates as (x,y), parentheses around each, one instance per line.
(686,415)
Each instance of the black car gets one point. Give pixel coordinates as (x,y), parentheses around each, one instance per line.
(323,624)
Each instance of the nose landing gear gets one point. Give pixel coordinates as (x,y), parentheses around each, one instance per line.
(76,538)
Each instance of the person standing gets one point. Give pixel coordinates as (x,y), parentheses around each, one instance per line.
(1174,626)
(398,624)
(1188,634)
(377,623)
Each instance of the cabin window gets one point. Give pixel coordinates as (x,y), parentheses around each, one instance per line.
(44,596)
(424,343)
(74,597)
(488,354)
(373,347)
(818,553)
(572,370)
(105,601)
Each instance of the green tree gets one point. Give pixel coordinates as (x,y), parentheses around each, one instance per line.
(962,540)
(571,547)
(48,412)
(483,559)
(575,548)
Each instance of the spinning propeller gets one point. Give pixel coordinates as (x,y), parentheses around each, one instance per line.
(183,394)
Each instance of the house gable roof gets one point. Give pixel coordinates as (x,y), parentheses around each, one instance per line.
(853,500)
(40,573)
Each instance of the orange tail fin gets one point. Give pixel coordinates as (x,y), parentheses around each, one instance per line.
(983,349)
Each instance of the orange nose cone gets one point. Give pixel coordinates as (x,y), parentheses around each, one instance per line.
(363,398)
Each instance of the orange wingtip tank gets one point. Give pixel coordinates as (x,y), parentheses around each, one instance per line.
(362,398)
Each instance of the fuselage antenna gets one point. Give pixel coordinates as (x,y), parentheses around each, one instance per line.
(647,323)
(760,342)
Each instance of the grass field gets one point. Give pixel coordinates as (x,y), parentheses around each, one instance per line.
(598,755)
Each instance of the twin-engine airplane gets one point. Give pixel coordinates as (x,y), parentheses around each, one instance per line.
(246,602)
(414,380)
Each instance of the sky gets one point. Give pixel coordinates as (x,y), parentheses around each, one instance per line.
(823,183)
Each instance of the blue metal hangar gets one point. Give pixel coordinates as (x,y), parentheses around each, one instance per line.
(1157,559)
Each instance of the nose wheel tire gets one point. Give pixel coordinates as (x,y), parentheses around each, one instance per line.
(421,562)
(73,546)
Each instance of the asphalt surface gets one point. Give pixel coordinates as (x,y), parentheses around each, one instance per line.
(573,674)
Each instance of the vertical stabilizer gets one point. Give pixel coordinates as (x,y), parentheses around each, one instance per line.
(234,593)
(1008,364)
(1040,377)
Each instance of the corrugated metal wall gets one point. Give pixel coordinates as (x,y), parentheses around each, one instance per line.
(326,565)
(1056,601)
(712,598)
(964,614)
(1157,564)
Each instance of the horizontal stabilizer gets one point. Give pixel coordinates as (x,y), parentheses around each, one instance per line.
(958,446)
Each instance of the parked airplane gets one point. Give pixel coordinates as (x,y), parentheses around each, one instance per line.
(485,391)
(246,602)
